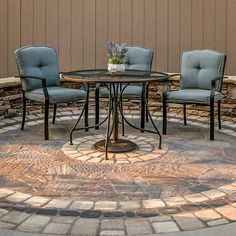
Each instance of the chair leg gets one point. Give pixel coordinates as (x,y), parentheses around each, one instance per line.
(185,117)
(97,107)
(24,113)
(147,89)
(46,133)
(54,113)
(212,123)
(219,115)
(142,125)
(164,125)
(86,124)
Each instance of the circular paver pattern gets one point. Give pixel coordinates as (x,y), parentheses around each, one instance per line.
(190,178)
(83,150)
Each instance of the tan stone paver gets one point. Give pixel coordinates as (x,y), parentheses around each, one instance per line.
(56,228)
(63,219)
(105,205)
(112,233)
(228,212)
(5,192)
(228,189)
(37,201)
(160,219)
(34,223)
(14,217)
(18,197)
(85,227)
(130,204)
(56,203)
(188,221)
(113,224)
(196,197)
(213,194)
(175,201)
(153,203)
(138,226)
(207,215)
(165,227)
(4,225)
(217,222)
(82,205)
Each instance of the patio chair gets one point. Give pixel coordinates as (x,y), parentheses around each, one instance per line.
(137,58)
(201,77)
(39,73)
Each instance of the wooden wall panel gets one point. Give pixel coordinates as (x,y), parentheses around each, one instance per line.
(185,25)
(162,35)
(52,23)
(77,34)
(101,33)
(138,22)
(174,36)
(39,21)
(14,31)
(114,20)
(126,23)
(27,19)
(231,35)
(3,39)
(79,29)
(89,34)
(64,34)
(197,23)
(150,28)
(221,25)
(209,24)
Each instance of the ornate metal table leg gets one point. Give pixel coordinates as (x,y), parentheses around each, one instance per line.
(135,127)
(81,114)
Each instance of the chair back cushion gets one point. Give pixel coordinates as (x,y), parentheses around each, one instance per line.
(200,67)
(138,58)
(38,61)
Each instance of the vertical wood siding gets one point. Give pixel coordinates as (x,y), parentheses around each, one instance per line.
(79,29)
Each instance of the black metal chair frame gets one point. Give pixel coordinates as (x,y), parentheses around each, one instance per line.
(212,103)
(46,106)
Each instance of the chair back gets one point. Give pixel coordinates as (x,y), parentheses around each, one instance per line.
(138,58)
(38,61)
(200,67)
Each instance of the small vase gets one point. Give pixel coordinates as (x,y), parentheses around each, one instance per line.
(113,68)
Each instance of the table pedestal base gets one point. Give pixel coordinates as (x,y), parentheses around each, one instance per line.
(120,146)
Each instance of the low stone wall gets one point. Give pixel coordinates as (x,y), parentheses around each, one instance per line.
(11,99)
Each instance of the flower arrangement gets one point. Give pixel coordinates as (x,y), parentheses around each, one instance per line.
(116,52)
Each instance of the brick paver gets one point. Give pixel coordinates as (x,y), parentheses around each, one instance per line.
(56,203)
(112,224)
(56,228)
(34,223)
(83,205)
(187,221)
(85,227)
(153,203)
(207,215)
(165,227)
(138,226)
(112,233)
(105,205)
(228,212)
(37,201)
(14,217)
(217,222)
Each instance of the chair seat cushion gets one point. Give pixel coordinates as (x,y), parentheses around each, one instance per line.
(56,95)
(131,91)
(192,96)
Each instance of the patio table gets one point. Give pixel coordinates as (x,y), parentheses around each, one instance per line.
(116,84)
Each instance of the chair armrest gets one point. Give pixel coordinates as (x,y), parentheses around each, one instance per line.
(43,80)
(213,87)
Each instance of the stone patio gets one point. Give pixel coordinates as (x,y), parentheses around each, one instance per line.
(51,187)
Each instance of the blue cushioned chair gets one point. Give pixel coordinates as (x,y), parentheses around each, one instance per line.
(39,73)
(202,72)
(137,58)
